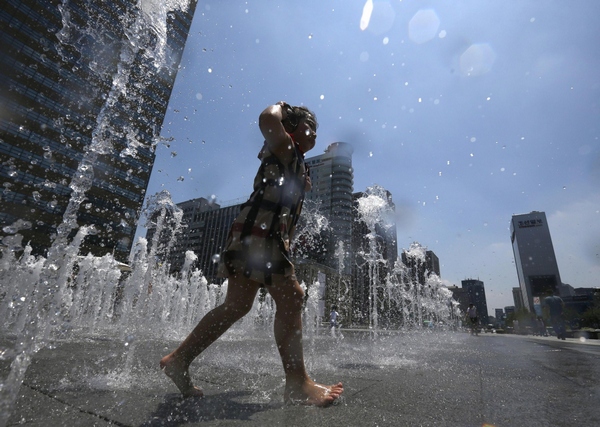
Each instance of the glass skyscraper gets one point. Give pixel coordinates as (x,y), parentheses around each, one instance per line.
(84,87)
(535,260)
(332,179)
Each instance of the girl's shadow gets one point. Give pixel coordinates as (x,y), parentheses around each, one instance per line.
(175,410)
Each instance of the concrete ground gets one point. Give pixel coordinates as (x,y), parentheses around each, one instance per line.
(428,379)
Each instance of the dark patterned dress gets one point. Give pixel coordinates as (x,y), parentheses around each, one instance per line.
(258,243)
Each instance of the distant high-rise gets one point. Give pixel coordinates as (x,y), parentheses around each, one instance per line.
(461,296)
(475,290)
(420,270)
(207,226)
(332,181)
(518,298)
(535,260)
(433,263)
(508,310)
(73,87)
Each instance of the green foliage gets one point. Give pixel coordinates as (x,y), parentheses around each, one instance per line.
(591,317)
(521,315)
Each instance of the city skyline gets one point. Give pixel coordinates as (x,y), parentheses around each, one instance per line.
(468,113)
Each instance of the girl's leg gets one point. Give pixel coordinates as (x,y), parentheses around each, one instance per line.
(299,387)
(238,302)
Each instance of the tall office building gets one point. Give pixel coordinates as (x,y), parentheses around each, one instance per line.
(84,88)
(508,310)
(535,260)
(500,317)
(475,290)
(419,270)
(461,296)
(517,298)
(433,263)
(332,180)
(207,226)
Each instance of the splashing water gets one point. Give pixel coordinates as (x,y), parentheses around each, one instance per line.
(36,306)
(67,295)
(407,293)
(310,230)
(373,210)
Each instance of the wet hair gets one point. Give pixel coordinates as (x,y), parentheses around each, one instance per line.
(295,115)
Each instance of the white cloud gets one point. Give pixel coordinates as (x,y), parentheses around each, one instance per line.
(575,231)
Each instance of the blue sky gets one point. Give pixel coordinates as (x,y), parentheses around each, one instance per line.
(467,112)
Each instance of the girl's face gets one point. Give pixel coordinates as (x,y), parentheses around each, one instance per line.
(305,135)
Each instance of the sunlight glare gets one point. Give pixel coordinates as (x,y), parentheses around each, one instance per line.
(366,15)
(423,26)
(477,60)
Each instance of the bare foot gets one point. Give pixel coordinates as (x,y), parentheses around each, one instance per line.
(311,393)
(179,374)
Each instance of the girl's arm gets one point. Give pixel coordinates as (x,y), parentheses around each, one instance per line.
(270,123)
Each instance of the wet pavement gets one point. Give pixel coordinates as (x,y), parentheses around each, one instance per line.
(429,379)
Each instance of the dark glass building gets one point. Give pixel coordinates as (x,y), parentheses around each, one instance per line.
(84,87)
(537,269)
(332,179)
(205,227)
(475,290)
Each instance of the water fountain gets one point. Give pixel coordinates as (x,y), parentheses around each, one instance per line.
(96,297)
(43,294)
(374,210)
(408,292)
(66,295)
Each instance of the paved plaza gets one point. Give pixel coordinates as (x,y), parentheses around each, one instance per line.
(395,379)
